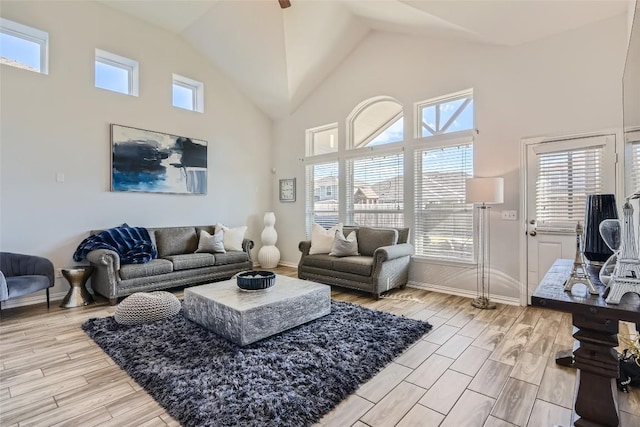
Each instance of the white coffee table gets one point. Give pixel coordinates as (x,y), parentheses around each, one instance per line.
(245,317)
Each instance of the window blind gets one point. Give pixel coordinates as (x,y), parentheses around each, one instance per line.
(321,195)
(375,195)
(633,168)
(564,180)
(444,221)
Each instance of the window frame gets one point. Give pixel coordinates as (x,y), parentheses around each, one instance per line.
(131,66)
(406,148)
(197,92)
(30,34)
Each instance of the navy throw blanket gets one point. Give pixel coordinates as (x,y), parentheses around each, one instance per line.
(133,244)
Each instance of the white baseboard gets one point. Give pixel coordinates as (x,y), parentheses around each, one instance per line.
(460,292)
(288,264)
(33,299)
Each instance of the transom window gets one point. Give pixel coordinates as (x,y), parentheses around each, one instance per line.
(322,140)
(376,122)
(188,93)
(24,47)
(116,73)
(444,115)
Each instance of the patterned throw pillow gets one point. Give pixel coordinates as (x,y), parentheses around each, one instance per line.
(211,244)
(321,239)
(344,246)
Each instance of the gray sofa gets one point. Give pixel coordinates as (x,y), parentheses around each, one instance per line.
(383,262)
(176,265)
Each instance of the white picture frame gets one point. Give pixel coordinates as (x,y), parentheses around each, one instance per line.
(287,190)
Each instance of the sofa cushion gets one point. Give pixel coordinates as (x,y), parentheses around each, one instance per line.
(370,239)
(231,257)
(319,261)
(344,246)
(321,239)
(208,228)
(403,235)
(187,261)
(176,240)
(151,268)
(360,265)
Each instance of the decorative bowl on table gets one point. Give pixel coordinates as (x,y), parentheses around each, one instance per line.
(255,280)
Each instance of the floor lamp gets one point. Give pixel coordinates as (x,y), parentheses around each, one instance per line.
(483,192)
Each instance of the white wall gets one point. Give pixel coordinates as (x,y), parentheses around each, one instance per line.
(60,123)
(569,83)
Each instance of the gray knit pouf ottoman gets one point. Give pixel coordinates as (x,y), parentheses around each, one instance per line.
(143,307)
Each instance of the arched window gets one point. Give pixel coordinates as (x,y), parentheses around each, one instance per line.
(375,121)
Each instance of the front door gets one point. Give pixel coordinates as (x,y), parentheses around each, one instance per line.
(559,176)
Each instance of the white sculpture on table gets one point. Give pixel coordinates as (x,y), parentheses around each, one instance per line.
(579,272)
(626,273)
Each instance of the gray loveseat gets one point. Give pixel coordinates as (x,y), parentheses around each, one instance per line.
(383,262)
(176,265)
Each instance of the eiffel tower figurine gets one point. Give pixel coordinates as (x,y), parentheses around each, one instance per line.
(579,271)
(626,273)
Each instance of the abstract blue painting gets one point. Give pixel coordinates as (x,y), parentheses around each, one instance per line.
(156,162)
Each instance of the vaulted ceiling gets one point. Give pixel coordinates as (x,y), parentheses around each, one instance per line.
(277,57)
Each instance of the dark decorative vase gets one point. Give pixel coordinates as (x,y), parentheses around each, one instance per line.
(599,208)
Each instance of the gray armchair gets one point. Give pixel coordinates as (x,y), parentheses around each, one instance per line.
(24,274)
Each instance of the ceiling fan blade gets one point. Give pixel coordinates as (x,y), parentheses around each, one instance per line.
(284,3)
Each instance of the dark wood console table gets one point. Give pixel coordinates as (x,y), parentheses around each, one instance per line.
(595,358)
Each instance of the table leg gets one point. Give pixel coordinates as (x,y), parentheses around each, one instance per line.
(597,361)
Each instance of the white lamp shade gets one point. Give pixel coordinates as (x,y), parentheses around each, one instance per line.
(485,190)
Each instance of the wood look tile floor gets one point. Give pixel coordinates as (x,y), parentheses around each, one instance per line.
(484,368)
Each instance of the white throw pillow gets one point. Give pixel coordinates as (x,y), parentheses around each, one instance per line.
(321,239)
(344,246)
(211,244)
(232,237)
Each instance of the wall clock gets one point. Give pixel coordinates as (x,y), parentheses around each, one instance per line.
(288,190)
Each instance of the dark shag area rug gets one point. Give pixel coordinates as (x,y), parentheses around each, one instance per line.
(290,379)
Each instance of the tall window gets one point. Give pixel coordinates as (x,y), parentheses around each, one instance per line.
(443,220)
(188,93)
(24,47)
(322,194)
(375,191)
(374,169)
(116,73)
